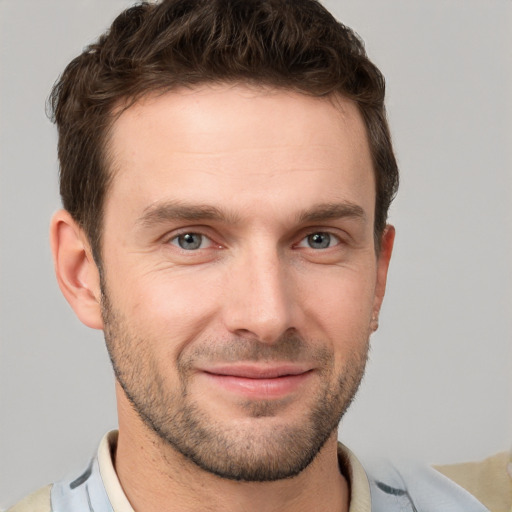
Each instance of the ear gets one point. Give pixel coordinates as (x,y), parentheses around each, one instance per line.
(383,258)
(75,268)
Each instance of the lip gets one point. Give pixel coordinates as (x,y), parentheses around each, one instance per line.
(258,381)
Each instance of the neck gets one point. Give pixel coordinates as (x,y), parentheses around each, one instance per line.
(156,478)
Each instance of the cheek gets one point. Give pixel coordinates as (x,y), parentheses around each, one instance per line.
(340,304)
(171,305)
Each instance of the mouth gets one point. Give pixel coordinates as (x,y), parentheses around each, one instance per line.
(259,381)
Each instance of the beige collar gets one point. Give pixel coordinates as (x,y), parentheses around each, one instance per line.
(360,500)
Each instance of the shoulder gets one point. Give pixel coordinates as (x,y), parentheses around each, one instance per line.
(379,485)
(488,480)
(38,501)
(409,486)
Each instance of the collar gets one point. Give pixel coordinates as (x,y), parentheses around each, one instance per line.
(360,500)
(406,486)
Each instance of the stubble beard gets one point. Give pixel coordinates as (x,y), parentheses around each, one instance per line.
(240,452)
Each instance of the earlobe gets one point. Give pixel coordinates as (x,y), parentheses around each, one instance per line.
(383,259)
(75,269)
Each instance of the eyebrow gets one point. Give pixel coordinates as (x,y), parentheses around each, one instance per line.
(332,211)
(175,210)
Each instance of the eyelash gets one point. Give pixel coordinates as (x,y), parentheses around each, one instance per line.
(203,236)
(330,236)
(307,239)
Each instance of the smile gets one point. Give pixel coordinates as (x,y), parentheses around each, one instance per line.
(259,382)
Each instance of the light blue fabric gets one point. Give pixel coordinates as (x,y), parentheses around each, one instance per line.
(402,487)
(83,494)
(410,487)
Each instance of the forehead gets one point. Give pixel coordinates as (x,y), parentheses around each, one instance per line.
(236,143)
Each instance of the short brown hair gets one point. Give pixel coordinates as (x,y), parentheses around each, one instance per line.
(151,47)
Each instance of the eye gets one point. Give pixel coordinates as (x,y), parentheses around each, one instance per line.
(191,241)
(319,240)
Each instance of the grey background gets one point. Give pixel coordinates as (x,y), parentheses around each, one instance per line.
(439,384)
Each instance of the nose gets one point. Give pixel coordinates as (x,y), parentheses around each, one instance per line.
(260,297)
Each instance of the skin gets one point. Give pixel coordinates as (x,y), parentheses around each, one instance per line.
(257,173)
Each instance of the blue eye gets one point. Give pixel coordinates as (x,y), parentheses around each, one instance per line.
(319,240)
(190,241)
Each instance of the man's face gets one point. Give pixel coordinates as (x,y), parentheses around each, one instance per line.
(240,274)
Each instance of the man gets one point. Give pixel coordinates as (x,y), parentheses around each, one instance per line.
(226,171)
